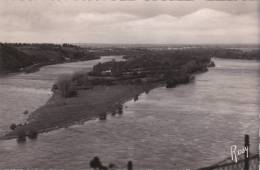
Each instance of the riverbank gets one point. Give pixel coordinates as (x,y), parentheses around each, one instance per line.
(90,104)
(84,96)
(36,67)
(28,58)
(155,127)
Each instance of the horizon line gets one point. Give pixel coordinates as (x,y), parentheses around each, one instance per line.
(92,43)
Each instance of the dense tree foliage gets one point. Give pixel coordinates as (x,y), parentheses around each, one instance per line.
(12,60)
(19,56)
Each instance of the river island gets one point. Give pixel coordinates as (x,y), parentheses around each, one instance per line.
(93,95)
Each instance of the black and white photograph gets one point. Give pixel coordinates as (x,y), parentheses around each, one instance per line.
(129,84)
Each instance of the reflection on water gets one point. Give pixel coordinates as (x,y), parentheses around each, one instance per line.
(189,126)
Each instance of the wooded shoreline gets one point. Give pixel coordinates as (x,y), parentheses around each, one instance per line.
(86,96)
(24,57)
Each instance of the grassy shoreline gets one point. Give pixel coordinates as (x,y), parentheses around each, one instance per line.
(89,95)
(88,105)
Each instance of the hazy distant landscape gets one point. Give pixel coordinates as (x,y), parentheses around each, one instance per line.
(30,57)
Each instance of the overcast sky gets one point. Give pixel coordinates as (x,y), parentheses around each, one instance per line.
(140,21)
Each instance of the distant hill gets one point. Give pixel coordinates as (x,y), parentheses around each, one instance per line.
(28,57)
(231,51)
(11,59)
(237,53)
(16,57)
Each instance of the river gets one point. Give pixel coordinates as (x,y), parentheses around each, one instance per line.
(189,126)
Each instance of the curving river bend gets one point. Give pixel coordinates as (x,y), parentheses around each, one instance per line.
(189,126)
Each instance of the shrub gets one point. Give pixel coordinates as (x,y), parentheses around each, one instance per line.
(80,78)
(32,134)
(13,126)
(21,136)
(66,87)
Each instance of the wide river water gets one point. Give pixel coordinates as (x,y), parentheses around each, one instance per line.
(189,126)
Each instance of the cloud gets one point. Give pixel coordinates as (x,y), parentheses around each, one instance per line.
(97,18)
(202,26)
